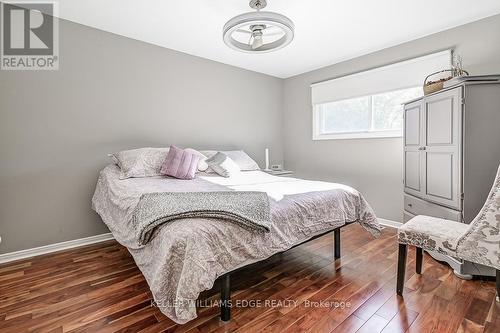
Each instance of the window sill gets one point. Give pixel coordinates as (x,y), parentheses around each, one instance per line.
(358,135)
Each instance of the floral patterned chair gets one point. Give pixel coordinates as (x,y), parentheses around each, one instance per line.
(478,242)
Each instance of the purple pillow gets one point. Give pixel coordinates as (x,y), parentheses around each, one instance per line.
(180,163)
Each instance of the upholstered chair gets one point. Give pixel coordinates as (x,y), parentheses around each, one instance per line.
(478,242)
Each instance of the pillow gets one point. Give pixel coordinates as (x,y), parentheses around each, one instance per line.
(115,160)
(202,164)
(223,165)
(245,162)
(180,163)
(142,162)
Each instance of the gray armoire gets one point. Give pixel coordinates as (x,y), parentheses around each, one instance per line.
(451,154)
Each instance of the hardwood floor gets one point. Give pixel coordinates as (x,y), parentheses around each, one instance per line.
(98,288)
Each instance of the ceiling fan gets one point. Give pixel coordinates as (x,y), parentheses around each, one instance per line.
(258,32)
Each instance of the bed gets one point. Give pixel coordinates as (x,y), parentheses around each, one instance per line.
(184,257)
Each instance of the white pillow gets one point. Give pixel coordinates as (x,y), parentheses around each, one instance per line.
(245,162)
(202,164)
(142,162)
(223,165)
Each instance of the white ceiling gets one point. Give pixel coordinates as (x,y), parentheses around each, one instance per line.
(326,31)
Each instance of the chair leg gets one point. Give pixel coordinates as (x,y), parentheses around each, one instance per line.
(498,285)
(403,250)
(336,243)
(225,295)
(420,255)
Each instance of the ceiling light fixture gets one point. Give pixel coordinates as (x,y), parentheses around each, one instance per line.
(258,32)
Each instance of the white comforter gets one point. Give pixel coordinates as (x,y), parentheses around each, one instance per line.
(185,257)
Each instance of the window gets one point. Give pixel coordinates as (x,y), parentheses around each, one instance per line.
(379,115)
(368,104)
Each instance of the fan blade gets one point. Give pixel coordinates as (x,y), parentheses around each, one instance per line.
(244,31)
(274,34)
(273,28)
(257,42)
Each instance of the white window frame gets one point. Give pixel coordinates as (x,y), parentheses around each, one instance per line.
(393,77)
(368,134)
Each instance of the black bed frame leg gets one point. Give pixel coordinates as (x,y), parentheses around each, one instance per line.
(336,243)
(403,250)
(225,296)
(498,285)
(420,257)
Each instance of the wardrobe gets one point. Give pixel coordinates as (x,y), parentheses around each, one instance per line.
(451,155)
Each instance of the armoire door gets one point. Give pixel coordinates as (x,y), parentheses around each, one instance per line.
(413,141)
(441,152)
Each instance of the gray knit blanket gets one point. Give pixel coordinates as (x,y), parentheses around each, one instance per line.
(249,210)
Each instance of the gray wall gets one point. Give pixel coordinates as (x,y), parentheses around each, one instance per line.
(113,93)
(374,166)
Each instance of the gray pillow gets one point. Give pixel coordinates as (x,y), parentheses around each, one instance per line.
(223,165)
(142,162)
(245,162)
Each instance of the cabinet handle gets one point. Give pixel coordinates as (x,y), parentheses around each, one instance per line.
(422,148)
(410,205)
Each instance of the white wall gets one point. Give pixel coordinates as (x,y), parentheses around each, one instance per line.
(374,166)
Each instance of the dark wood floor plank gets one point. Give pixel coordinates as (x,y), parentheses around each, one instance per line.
(429,318)
(401,321)
(299,314)
(14,267)
(468,326)
(374,303)
(98,288)
(373,325)
(478,311)
(492,326)
(351,324)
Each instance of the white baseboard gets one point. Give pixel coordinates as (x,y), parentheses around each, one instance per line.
(390,223)
(23,254)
